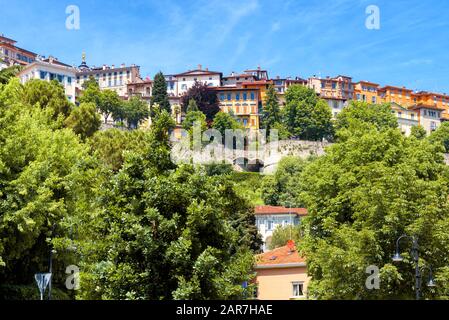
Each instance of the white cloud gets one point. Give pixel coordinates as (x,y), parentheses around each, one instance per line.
(276,27)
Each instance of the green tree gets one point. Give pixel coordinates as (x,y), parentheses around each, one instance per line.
(111,104)
(110,146)
(192,118)
(306,116)
(91,82)
(192,106)
(361,196)
(418,132)
(91,93)
(160,94)
(46,179)
(271,114)
(283,188)
(441,136)
(225,121)
(167,232)
(136,111)
(48,95)
(370,114)
(283,234)
(9,73)
(84,120)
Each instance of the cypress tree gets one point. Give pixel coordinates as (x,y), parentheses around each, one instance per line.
(160,95)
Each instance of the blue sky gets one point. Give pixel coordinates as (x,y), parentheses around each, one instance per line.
(288,37)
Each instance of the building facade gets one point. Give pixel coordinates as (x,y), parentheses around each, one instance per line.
(242,102)
(11,55)
(366,91)
(51,69)
(407,118)
(281,274)
(268,218)
(186,80)
(392,94)
(430,117)
(109,77)
(336,91)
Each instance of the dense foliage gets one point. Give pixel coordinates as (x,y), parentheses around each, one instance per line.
(371,187)
(306,116)
(205,97)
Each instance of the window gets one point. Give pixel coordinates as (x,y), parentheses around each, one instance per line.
(433,126)
(373,99)
(184,87)
(222,97)
(43,75)
(69,80)
(237,96)
(358,96)
(245,96)
(270,226)
(245,122)
(298,289)
(253,96)
(229,97)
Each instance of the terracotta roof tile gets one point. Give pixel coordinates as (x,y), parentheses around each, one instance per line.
(279,256)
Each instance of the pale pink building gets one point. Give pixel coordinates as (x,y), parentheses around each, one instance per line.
(281,275)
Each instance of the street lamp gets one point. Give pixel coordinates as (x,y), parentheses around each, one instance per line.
(415,255)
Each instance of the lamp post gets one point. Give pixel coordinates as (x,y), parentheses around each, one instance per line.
(415,255)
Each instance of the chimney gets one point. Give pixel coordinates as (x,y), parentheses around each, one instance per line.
(113,66)
(104,67)
(123,65)
(207,69)
(200,67)
(51,59)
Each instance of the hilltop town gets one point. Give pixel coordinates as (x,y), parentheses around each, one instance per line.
(242,93)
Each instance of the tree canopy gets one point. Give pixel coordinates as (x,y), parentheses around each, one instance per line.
(306,116)
(160,95)
(206,99)
(368,190)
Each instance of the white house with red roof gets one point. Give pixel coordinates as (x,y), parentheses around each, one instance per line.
(268,218)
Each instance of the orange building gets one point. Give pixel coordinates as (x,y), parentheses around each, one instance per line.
(281,275)
(432,99)
(366,91)
(391,94)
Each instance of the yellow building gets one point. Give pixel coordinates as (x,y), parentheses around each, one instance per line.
(243,103)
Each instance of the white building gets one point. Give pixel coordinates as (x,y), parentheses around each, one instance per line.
(109,77)
(429,116)
(178,84)
(268,218)
(51,69)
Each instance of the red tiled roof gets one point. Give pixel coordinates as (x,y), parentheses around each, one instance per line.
(271,210)
(280,256)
